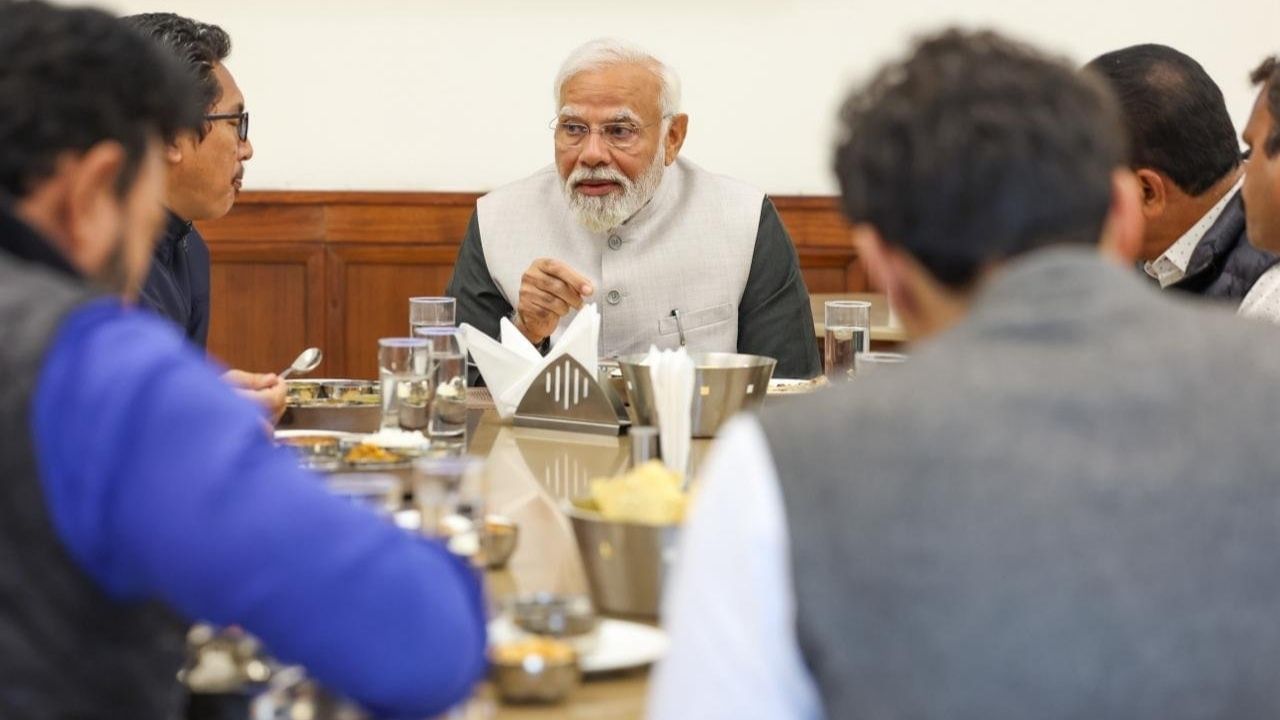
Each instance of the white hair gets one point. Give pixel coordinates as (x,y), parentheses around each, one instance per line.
(608,51)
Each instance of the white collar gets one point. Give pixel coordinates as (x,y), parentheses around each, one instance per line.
(1172,264)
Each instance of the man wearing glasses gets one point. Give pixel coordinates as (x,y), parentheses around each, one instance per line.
(205,171)
(672,254)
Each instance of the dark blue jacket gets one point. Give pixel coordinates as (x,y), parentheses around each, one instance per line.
(1225,264)
(178,285)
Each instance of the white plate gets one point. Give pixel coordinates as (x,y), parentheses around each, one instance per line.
(283,434)
(617,645)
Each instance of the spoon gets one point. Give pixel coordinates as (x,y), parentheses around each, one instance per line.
(306,361)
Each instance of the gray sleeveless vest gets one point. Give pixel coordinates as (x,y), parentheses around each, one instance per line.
(66,649)
(689,249)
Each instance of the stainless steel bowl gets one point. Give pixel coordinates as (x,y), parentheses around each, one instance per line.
(626,563)
(723,385)
(535,679)
(501,536)
(553,614)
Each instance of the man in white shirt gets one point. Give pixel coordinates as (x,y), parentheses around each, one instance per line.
(1184,152)
(1262,175)
(1022,521)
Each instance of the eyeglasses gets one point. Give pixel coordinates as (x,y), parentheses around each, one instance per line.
(242,122)
(620,135)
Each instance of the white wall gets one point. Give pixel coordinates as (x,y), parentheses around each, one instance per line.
(455,94)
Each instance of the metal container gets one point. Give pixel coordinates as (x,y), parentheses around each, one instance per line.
(724,384)
(334,404)
(498,544)
(553,614)
(626,563)
(535,679)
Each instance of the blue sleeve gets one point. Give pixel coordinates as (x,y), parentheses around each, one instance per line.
(162,483)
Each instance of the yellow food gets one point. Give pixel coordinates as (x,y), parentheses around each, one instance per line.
(649,494)
(549,649)
(366,453)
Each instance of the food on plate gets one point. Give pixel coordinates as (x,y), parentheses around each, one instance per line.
(649,494)
(366,454)
(549,649)
(315,443)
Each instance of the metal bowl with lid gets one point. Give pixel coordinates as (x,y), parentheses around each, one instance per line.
(724,384)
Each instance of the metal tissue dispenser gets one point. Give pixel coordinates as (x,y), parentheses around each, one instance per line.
(566,396)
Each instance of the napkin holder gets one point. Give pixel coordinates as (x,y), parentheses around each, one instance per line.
(567,396)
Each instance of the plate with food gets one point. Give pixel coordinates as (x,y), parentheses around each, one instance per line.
(795,386)
(365,456)
(618,644)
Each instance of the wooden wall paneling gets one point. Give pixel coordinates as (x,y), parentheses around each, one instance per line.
(267,303)
(336,269)
(369,290)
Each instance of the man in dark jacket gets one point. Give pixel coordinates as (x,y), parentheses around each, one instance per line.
(1184,152)
(206,166)
(137,492)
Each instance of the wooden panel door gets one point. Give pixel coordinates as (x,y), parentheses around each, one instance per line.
(267,304)
(369,291)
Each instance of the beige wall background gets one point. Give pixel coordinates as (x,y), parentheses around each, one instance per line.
(456,94)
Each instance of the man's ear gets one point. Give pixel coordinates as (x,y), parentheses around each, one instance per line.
(1153,191)
(175,150)
(675,136)
(93,206)
(1122,231)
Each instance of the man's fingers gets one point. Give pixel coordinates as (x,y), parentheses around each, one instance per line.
(580,283)
(553,286)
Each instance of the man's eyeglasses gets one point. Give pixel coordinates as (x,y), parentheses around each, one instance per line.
(242,122)
(620,135)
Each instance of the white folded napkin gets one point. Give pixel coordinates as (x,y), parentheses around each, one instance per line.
(510,366)
(672,373)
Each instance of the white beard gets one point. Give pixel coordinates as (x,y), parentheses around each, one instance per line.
(600,213)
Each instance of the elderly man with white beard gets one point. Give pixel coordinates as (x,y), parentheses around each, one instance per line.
(672,254)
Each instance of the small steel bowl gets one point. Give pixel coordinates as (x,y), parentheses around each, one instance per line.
(535,679)
(500,539)
(561,616)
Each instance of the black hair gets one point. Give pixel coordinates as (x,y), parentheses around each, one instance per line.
(975,149)
(71,78)
(199,45)
(1175,115)
(1268,76)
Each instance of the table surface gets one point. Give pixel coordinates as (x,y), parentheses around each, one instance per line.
(530,473)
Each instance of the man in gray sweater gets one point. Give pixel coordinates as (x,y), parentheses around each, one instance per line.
(1063,506)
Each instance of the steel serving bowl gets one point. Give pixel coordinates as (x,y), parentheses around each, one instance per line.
(724,384)
(626,563)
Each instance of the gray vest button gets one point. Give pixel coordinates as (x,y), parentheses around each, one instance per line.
(615,242)
(614,297)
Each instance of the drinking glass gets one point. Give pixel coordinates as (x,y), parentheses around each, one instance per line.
(428,312)
(848,334)
(448,377)
(406,387)
(450,494)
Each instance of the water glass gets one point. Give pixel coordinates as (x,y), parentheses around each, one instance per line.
(875,361)
(848,324)
(450,494)
(427,312)
(448,376)
(406,386)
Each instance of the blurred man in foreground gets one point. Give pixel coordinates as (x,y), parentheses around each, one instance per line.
(139,491)
(1024,521)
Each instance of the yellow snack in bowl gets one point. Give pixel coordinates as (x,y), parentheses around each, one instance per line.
(649,494)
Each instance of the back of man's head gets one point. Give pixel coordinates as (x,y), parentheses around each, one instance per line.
(1175,115)
(976,149)
(199,45)
(71,78)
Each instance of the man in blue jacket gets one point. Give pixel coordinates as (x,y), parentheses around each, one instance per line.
(137,492)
